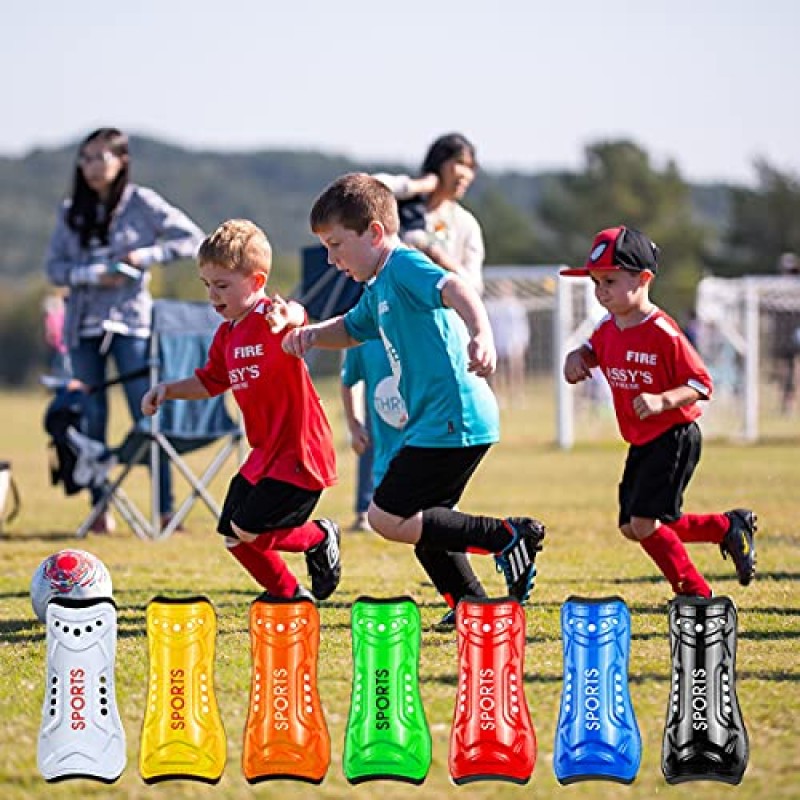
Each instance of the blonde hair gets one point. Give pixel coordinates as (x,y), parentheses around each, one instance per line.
(354,201)
(238,245)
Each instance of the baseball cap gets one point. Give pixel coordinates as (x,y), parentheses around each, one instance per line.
(619,248)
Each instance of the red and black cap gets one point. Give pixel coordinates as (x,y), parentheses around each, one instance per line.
(619,248)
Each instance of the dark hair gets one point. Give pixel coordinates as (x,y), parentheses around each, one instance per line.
(354,201)
(445,148)
(82,216)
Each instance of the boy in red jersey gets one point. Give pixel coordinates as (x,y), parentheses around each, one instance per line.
(656,379)
(292,460)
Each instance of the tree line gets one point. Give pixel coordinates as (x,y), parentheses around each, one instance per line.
(550,218)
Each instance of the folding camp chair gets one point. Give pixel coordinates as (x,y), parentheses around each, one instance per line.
(324,291)
(181,335)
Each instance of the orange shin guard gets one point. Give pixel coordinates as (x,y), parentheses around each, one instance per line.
(182,735)
(285,735)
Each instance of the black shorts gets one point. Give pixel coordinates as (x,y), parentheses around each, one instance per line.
(269,505)
(427,477)
(657,474)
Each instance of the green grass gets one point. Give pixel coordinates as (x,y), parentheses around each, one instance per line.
(574,492)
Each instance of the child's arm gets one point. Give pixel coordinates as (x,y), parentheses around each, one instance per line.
(578,364)
(359,436)
(185,389)
(330,334)
(284,314)
(466,302)
(648,405)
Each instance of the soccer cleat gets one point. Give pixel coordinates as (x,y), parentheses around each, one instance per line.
(387,735)
(81,735)
(516,561)
(704,735)
(448,621)
(740,542)
(324,561)
(492,736)
(285,735)
(182,733)
(597,737)
(300,593)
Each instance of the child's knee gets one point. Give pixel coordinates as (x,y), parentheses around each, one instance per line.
(379,521)
(627,532)
(638,528)
(243,535)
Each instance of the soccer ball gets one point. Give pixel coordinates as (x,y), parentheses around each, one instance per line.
(68,573)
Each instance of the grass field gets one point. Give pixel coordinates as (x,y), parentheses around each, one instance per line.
(573,492)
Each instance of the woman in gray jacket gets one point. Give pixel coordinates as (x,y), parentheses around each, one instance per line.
(109,233)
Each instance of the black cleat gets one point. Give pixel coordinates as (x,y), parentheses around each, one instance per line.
(447,622)
(324,561)
(300,593)
(740,543)
(516,561)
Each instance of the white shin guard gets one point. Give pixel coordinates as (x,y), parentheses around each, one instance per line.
(81,735)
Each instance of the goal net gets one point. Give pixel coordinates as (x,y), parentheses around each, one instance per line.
(748,332)
(558,315)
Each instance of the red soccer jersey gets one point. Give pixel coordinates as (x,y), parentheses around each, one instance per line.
(653,357)
(286,426)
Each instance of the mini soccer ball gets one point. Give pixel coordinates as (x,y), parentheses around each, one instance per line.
(68,573)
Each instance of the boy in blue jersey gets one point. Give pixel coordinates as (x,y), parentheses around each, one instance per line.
(376,439)
(438,340)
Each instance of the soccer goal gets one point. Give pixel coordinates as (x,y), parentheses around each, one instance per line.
(560,313)
(748,333)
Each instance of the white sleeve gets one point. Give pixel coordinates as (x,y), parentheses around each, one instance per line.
(398,184)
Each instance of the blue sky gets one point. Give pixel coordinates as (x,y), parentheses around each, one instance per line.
(710,83)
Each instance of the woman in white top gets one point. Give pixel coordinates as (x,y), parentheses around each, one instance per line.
(445,230)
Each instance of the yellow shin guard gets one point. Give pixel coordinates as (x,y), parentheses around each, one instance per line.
(285,735)
(182,735)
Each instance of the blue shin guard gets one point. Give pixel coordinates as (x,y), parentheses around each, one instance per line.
(597,737)
(704,736)
(81,735)
(387,735)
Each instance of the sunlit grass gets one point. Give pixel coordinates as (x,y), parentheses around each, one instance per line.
(573,492)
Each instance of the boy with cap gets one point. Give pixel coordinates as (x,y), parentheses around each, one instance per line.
(656,379)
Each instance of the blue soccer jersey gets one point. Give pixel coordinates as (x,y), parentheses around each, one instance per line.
(426,344)
(387,410)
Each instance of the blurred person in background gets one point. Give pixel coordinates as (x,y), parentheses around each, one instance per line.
(432,218)
(108,235)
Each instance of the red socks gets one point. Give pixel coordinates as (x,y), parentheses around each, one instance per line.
(268,569)
(290,540)
(701,527)
(261,560)
(670,556)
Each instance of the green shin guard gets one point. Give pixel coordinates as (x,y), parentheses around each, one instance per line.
(387,734)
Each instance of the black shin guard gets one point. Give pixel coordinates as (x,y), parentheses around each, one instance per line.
(704,737)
